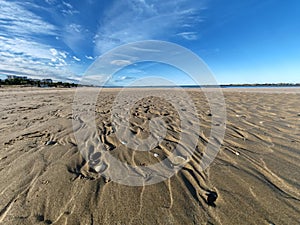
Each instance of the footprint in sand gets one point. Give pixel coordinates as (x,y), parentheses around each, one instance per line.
(178,160)
(95,156)
(211,198)
(96,163)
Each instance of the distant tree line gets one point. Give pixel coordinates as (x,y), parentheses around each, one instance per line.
(24,81)
(263,85)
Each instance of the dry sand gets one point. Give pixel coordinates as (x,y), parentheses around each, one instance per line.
(256,173)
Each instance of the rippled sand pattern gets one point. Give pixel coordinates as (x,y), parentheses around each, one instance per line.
(45,180)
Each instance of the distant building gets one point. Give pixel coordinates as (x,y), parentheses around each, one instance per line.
(11,77)
(49,81)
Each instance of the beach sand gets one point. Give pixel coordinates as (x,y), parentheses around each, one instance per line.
(45,180)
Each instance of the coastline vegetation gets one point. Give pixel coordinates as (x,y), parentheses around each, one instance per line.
(29,82)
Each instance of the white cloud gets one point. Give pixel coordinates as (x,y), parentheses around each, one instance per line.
(74,27)
(14,18)
(77,59)
(74,36)
(68,5)
(21,49)
(63,54)
(53,51)
(68,9)
(33,68)
(126,78)
(89,57)
(50,2)
(65,8)
(191,36)
(134,20)
(31,58)
(68,12)
(26,48)
(58,57)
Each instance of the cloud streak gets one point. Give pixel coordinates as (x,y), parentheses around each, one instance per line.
(21,50)
(51,38)
(134,20)
(16,19)
(76,59)
(190,36)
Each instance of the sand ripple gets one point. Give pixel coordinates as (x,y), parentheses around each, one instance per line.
(256,173)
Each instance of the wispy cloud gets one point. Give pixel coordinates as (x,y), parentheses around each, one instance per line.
(51,38)
(65,8)
(58,57)
(21,50)
(68,9)
(68,5)
(21,57)
(190,36)
(89,57)
(133,20)
(77,59)
(74,35)
(51,2)
(14,18)
(122,79)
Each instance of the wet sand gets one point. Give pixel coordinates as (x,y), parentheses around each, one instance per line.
(45,179)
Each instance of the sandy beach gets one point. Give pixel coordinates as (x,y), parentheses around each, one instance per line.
(44,178)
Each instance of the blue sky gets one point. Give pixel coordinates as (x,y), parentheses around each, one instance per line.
(250,41)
